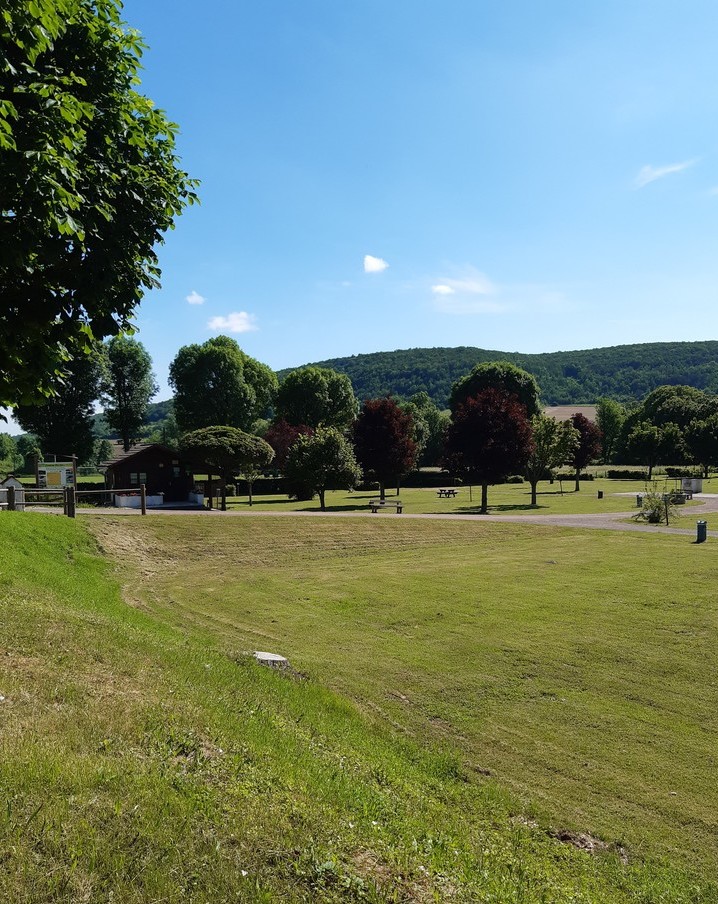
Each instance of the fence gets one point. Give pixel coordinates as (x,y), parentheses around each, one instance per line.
(65,497)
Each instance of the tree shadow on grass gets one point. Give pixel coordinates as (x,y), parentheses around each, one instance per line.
(493,509)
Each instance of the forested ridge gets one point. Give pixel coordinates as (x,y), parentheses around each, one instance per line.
(626,373)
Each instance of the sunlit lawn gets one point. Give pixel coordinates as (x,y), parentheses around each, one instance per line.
(577,667)
(618,496)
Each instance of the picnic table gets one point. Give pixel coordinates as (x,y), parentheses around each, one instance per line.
(376,505)
(446,492)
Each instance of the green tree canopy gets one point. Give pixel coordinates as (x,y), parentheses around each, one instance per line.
(89,182)
(217,384)
(500,375)
(702,440)
(610,416)
(226,451)
(554,443)
(322,461)
(128,386)
(316,397)
(63,424)
(588,446)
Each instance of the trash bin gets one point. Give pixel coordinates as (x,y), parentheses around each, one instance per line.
(701,531)
(639,499)
(600,494)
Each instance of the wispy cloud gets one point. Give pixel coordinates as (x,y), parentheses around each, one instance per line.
(472,292)
(236,322)
(649,173)
(195,298)
(374,264)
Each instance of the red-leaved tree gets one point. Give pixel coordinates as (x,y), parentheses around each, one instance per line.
(383,441)
(489,438)
(281,436)
(589,444)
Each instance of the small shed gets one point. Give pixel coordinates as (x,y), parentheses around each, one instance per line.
(163,471)
(12,481)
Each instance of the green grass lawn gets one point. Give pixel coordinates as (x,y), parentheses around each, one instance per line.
(618,496)
(576,668)
(145,758)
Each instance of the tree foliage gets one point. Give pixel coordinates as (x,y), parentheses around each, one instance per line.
(322,461)
(554,443)
(702,440)
(610,416)
(588,446)
(128,386)
(501,375)
(63,423)
(217,384)
(89,182)
(489,438)
(281,436)
(430,426)
(316,397)
(226,451)
(383,441)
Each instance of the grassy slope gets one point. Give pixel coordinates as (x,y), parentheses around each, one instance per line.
(140,762)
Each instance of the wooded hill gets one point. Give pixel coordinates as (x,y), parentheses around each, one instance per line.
(622,372)
(626,373)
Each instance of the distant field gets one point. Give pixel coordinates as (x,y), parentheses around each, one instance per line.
(577,668)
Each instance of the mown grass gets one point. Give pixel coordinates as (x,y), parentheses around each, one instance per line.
(575,667)
(143,760)
(618,496)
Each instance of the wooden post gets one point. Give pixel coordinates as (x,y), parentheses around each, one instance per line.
(143,497)
(65,502)
(11,499)
(71,501)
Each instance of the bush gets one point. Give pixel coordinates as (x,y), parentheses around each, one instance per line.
(657,507)
(615,474)
(683,472)
(514,478)
(572,476)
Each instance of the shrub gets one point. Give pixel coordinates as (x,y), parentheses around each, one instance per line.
(615,474)
(514,478)
(568,477)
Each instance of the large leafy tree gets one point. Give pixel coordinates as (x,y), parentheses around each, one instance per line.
(128,386)
(644,445)
(430,426)
(610,416)
(501,375)
(322,461)
(63,424)
(316,397)
(588,446)
(702,440)
(383,440)
(89,182)
(217,384)
(554,443)
(226,451)
(489,438)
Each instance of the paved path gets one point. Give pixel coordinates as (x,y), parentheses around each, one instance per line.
(598,521)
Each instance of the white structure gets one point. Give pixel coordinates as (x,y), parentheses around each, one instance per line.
(11,481)
(692,484)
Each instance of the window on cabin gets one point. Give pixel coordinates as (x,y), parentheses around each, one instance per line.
(134,478)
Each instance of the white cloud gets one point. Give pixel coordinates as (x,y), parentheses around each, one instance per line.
(195,298)
(472,292)
(374,264)
(237,322)
(649,173)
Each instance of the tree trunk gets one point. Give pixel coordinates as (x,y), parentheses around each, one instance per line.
(578,480)
(705,472)
(321,500)
(223,485)
(484,498)
(382,491)
(250,491)
(126,441)
(534,484)
(650,470)
(209,491)
(398,485)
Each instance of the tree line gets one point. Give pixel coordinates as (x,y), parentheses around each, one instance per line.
(231,413)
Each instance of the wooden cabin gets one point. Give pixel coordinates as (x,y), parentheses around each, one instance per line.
(162,470)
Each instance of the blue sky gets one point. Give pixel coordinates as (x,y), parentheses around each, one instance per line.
(393,173)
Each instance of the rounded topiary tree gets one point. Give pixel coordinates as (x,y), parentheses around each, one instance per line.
(226,451)
(501,375)
(323,461)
